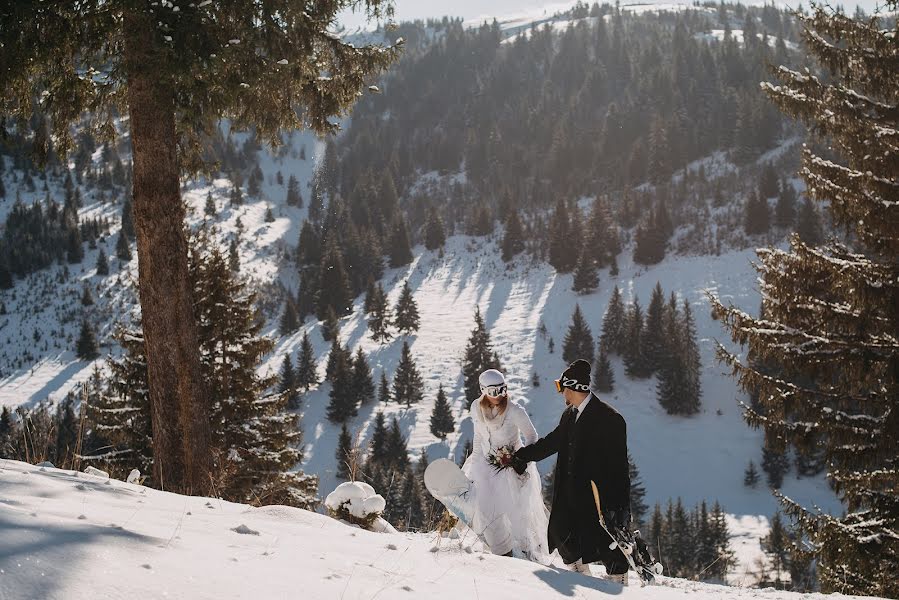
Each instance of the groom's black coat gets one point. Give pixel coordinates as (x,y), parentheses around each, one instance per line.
(592,448)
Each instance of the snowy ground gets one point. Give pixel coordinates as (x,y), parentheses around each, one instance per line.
(66,535)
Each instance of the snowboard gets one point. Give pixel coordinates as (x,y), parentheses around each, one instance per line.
(449,485)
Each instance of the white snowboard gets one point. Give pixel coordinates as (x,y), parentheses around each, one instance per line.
(448,484)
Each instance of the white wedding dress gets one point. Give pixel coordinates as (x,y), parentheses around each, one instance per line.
(509,508)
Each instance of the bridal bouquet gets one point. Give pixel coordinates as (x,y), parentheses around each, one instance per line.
(501,458)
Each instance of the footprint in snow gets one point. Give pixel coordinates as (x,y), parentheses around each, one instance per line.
(244,530)
(391,546)
(146,566)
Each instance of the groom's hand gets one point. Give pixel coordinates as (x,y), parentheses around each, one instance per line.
(519,465)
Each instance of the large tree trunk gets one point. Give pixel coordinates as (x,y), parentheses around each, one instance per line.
(182,459)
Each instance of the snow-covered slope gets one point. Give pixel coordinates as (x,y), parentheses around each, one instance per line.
(65,535)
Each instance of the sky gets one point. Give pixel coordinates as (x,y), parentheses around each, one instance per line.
(478,10)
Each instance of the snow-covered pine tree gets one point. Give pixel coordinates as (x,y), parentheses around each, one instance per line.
(377,452)
(442,421)
(338,352)
(407,381)
(691,395)
(603,377)
(586,279)
(288,383)
(363,384)
(342,400)
(479,356)
(396,450)
(671,376)
(406,317)
(578,340)
(307,372)
(613,325)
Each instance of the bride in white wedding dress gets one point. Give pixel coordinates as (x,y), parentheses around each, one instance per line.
(509,508)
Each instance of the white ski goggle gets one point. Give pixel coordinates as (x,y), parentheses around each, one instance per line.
(494,391)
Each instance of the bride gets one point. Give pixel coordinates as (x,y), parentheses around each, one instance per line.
(509,508)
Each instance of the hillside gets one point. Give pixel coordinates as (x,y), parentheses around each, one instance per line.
(66,534)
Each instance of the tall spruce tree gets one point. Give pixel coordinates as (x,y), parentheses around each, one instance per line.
(102,263)
(751,475)
(379,318)
(177,75)
(345,453)
(776,546)
(363,384)
(831,311)
(586,279)
(290,320)
(603,377)
(122,247)
(757,215)
(479,356)
(378,444)
(334,284)
(406,317)
(400,248)
(307,372)
(614,332)
(342,401)
(384,393)
(407,381)
(653,333)
(634,359)
(435,235)
(86,346)
(287,383)
(578,340)
(638,494)
(442,421)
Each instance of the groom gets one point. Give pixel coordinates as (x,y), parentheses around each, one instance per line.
(591,441)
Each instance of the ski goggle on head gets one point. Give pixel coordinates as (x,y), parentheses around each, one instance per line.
(494,391)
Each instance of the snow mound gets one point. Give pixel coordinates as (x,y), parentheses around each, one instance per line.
(357,498)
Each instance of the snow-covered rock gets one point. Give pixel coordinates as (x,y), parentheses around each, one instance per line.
(358,499)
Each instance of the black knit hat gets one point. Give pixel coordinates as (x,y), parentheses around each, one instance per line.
(577,376)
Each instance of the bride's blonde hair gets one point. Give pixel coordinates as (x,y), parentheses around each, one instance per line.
(503,402)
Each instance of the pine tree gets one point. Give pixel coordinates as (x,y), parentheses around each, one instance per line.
(290,321)
(400,249)
(776,548)
(379,316)
(123,248)
(334,286)
(653,335)
(293,193)
(808,224)
(342,401)
(634,360)
(479,356)
(688,356)
(86,347)
(638,494)
(757,215)
(775,463)
(307,372)
(751,477)
(233,256)
(578,340)
(603,378)
(330,325)
(345,453)
(363,385)
(396,452)
(435,236)
(407,382)
(309,250)
(209,208)
(513,238)
(102,263)
(86,298)
(269,215)
(288,383)
(614,330)
(406,311)
(785,210)
(378,445)
(586,278)
(384,393)
(442,421)
(337,354)
(411,500)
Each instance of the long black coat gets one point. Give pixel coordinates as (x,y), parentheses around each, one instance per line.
(594,448)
